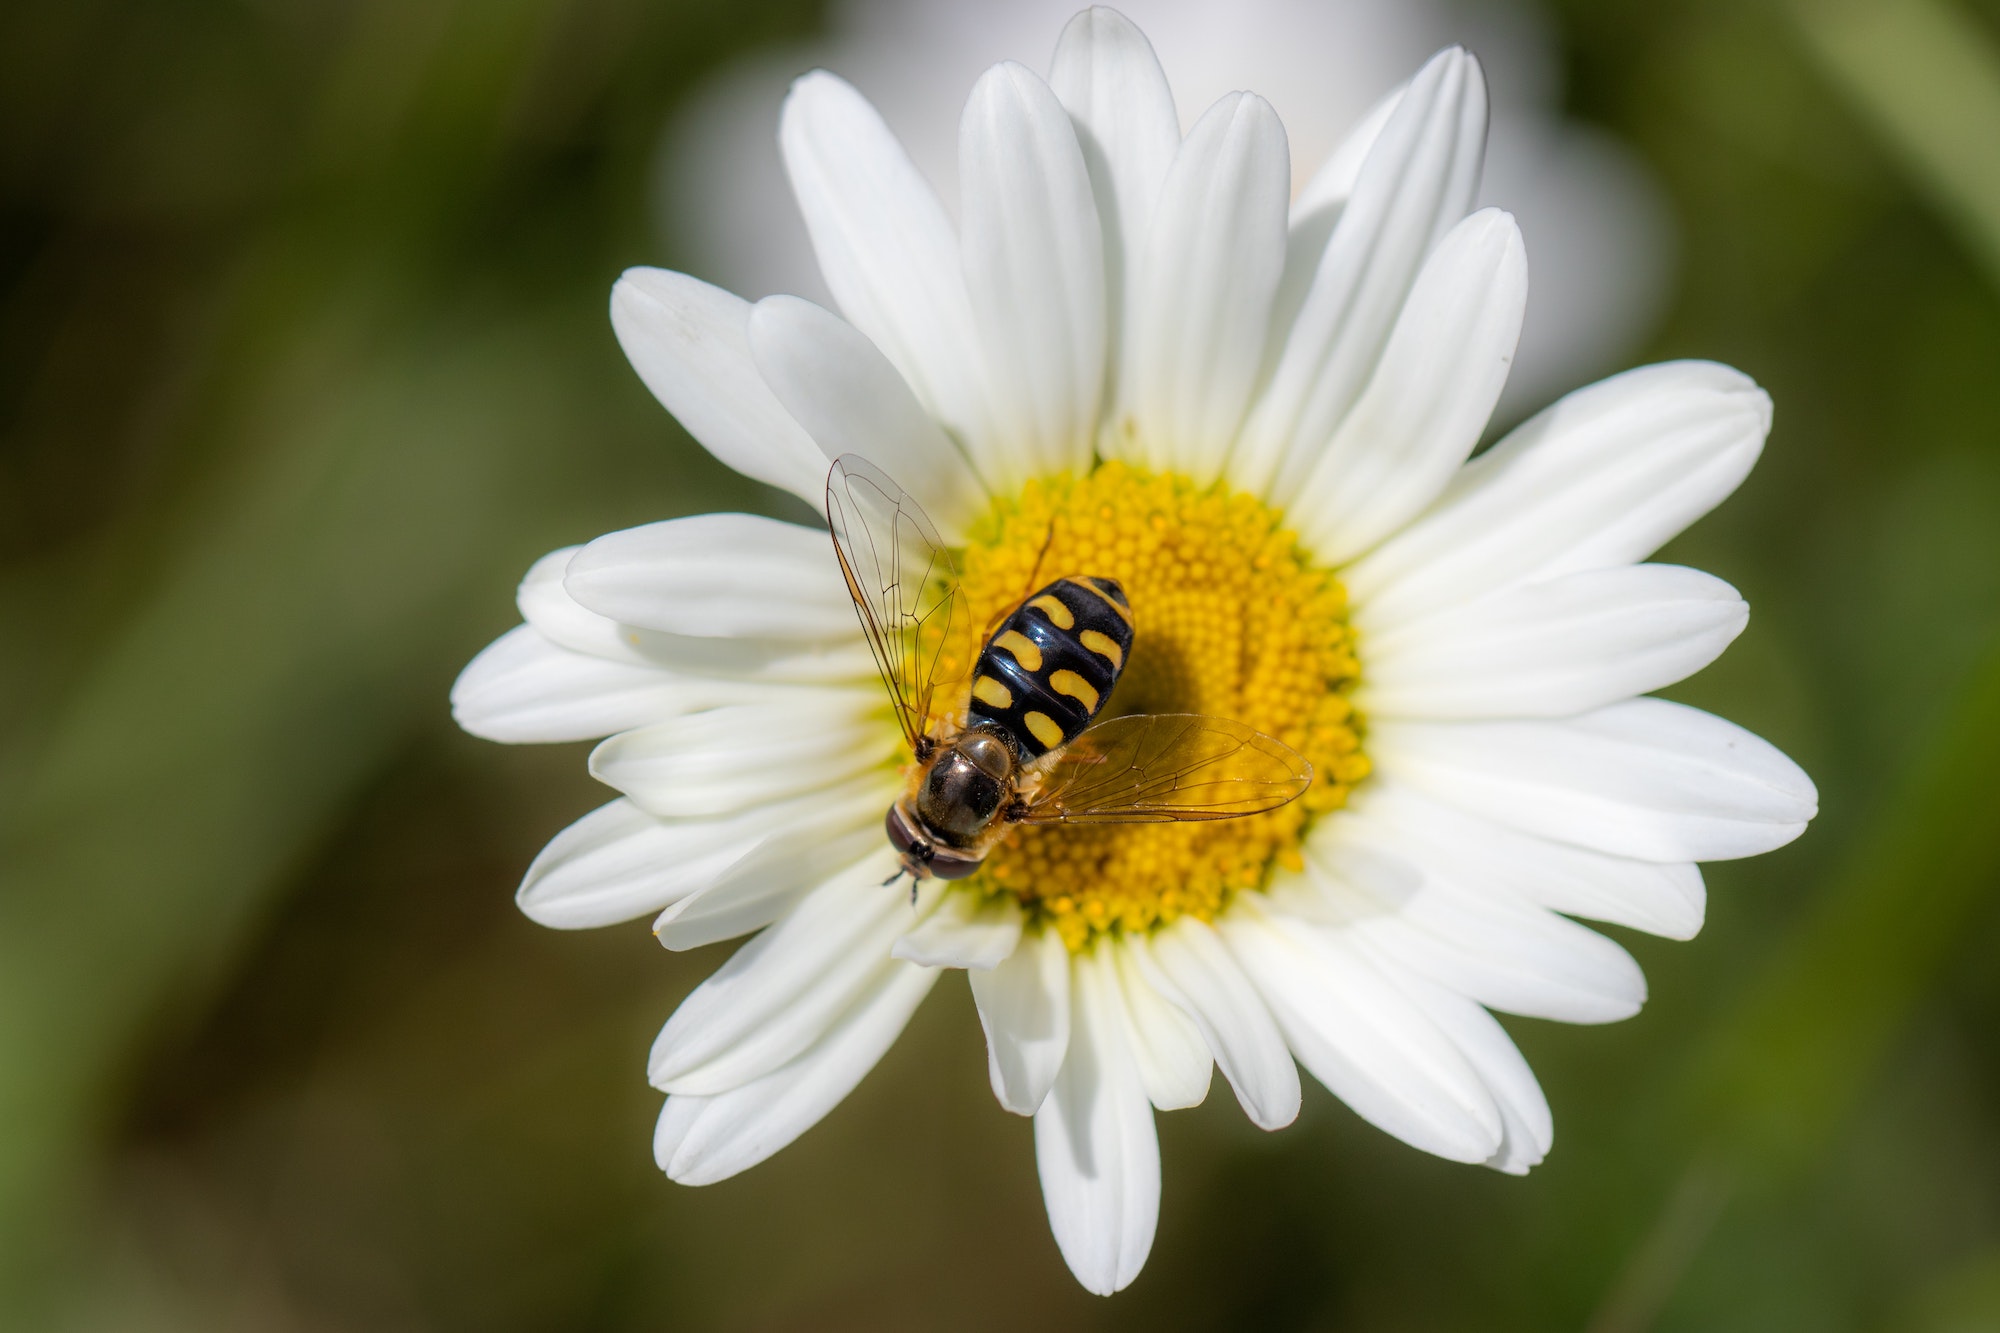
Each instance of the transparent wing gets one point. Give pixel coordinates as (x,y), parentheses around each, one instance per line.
(904,586)
(1157,768)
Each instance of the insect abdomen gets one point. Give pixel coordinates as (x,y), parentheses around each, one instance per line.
(1050,667)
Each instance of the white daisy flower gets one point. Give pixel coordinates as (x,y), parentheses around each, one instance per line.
(1136,356)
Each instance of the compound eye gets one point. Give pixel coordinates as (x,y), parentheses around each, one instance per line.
(948,865)
(901,836)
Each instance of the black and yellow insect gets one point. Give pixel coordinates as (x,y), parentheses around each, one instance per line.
(1018,743)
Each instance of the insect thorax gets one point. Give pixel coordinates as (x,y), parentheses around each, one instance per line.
(963,791)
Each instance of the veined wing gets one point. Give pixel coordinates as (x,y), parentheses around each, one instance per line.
(904,586)
(1158,768)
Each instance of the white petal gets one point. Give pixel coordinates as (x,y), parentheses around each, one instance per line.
(1034,267)
(1172,1056)
(1524,1111)
(618,862)
(762,661)
(968,930)
(1491,946)
(1116,94)
(1203,291)
(701,1140)
(1333,184)
(1430,396)
(781,867)
(740,756)
(1315,213)
(1096,1150)
(716,576)
(1419,178)
(670,1131)
(1024,1006)
(1600,479)
(885,246)
(852,401)
(1662,899)
(1645,778)
(1554,648)
(522,688)
(686,339)
(1362,1038)
(1189,964)
(547,605)
(783,990)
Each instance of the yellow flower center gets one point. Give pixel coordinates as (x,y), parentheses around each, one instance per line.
(1231,620)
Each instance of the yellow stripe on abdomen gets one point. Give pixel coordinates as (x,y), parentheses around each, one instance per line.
(1076,687)
(1025,650)
(1104,646)
(1044,728)
(1052,606)
(992,693)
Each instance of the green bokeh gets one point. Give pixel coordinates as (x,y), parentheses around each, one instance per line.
(303,358)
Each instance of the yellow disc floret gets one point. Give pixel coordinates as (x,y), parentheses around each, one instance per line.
(1232,620)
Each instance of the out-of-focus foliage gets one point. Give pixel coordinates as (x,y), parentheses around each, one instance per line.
(303,359)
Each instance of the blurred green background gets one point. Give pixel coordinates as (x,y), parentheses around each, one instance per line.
(303,359)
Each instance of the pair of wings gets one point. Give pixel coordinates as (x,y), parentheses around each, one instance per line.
(1146,768)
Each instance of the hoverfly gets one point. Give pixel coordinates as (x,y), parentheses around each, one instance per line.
(1016,745)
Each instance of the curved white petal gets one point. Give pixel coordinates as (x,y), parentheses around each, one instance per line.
(841,388)
(1646,778)
(1034,267)
(1024,1007)
(1602,478)
(558,617)
(1316,211)
(740,756)
(1660,898)
(687,341)
(1430,396)
(833,663)
(968,930)
(1110,82)
(1167,1045)
(1362,1038)
(1419,178)
(1529,1129)
(521,688)
(547,605)
(715,576)
(618,862)
(1188,963)
(885,246)
(782,865)
(1553,648)
(701,1140)
(1095,1146)
(1332,184)
(1490,946)
(786,988)
(1203,291)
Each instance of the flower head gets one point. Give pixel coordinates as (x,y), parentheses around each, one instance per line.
(1138,357)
